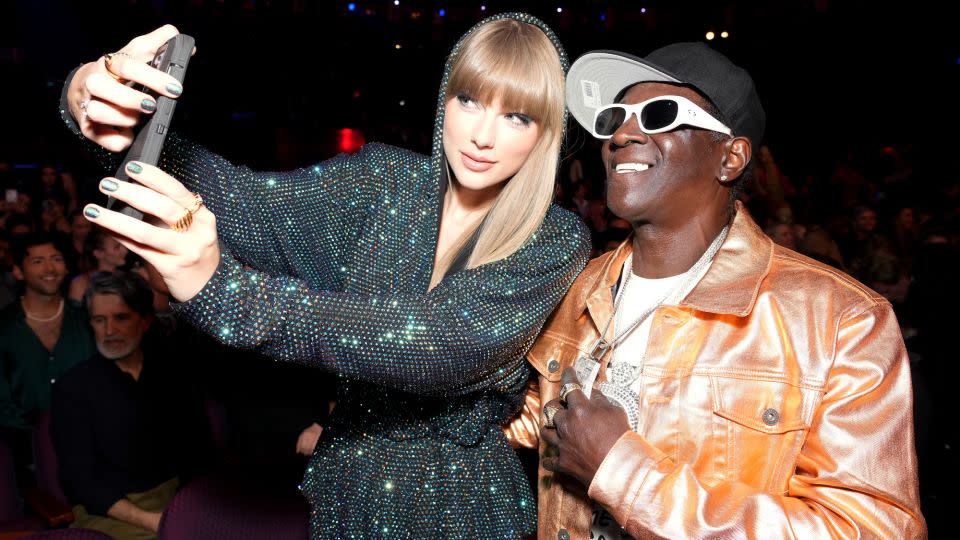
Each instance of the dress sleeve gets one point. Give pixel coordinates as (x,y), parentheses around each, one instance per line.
(450,341)
(265,218)
(854,477)
(260,215)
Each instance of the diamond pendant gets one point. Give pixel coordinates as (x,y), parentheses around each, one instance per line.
(626,399)
(623,373)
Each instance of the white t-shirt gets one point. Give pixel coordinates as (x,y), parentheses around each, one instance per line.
(636,297)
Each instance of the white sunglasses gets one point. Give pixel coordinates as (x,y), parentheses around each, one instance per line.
(656,115)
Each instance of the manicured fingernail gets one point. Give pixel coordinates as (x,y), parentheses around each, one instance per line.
(109,185)
(148,105)
(134,167)
(174,89)
(91,212)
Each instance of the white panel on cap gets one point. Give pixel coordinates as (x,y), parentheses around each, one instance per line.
(590,92)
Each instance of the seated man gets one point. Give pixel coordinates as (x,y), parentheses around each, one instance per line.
(127,424)
(41,337)
(742,390)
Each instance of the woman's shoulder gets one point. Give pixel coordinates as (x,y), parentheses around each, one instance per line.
(391,163)
(562,236)
(561,221)
(376,153)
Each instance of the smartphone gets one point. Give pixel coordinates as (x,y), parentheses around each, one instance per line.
(173,58)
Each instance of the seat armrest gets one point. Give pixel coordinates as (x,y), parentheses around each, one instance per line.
(51,510)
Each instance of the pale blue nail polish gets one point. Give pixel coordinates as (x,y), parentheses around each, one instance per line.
(148,105)
(174,89)
(109,185)
(134,167)
(91,212)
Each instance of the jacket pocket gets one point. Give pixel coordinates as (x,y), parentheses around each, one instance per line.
(551,354)
(760,425)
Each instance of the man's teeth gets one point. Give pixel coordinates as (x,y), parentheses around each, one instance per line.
(632,167)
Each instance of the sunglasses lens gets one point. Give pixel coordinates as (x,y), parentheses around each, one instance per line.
(659,114)
(609,120)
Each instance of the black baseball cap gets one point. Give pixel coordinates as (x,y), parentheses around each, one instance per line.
(598,77)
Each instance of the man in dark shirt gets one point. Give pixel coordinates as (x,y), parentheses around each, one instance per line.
(127,427)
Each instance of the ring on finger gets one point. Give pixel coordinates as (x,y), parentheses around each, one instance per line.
(186,219)
(567,388)
(108,59)
(83,107)
(549,411)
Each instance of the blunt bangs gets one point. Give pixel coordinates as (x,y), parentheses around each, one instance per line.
(527,81)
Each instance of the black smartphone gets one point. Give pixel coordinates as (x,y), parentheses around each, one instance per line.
(171,58)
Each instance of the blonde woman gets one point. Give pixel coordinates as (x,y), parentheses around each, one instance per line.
(420,280)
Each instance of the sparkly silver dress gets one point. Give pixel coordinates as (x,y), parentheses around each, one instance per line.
(329,266)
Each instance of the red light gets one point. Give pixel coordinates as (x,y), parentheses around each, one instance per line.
(349,140)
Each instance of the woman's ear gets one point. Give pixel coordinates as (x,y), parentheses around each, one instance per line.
(737,153)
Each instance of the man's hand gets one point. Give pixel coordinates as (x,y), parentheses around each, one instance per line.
(584,430)
(124,510)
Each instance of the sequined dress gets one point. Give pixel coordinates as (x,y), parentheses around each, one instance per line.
(330,266)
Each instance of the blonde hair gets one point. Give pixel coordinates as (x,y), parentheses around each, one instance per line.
(516,63)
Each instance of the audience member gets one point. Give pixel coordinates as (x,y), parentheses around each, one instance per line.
(128,424)
(41,337)
(782,234)
(102,253)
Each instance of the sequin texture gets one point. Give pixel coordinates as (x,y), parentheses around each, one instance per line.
(329,266)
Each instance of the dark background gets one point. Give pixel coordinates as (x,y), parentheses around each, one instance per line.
(274,80)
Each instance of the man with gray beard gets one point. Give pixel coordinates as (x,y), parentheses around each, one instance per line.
(126,426)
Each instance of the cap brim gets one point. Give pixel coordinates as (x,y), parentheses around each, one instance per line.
(596,78)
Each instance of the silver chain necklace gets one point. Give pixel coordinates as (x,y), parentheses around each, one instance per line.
(623,374)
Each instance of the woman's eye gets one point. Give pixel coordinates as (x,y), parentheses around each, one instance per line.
(520,120)
(466,100)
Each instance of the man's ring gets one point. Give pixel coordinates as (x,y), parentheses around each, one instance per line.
(549,411)
(567,388)
(108,63)
(186,219)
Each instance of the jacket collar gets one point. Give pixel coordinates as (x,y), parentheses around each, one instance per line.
(729,287)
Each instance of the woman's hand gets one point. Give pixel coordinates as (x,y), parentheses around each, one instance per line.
(187,259)
(307,441)
(107,109)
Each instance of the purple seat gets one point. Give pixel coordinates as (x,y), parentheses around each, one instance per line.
(236,505)
(67,534)
(45,458)
(11,504)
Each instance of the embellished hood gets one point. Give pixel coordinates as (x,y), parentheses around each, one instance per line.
(436,154)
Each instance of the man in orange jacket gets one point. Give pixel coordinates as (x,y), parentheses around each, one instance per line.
(701,381)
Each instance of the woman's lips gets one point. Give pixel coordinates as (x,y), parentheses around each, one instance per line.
(476,163)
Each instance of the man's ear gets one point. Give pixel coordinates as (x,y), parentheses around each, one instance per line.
(737,153)
(17,272)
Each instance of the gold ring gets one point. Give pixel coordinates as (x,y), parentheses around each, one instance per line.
(567,388)
(196,204)
(108,63)
(186,219)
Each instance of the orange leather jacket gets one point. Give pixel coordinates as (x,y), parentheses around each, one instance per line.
(776,403)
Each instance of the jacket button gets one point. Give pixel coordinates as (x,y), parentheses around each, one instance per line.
(562,534)
(771,417)
(553,365)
